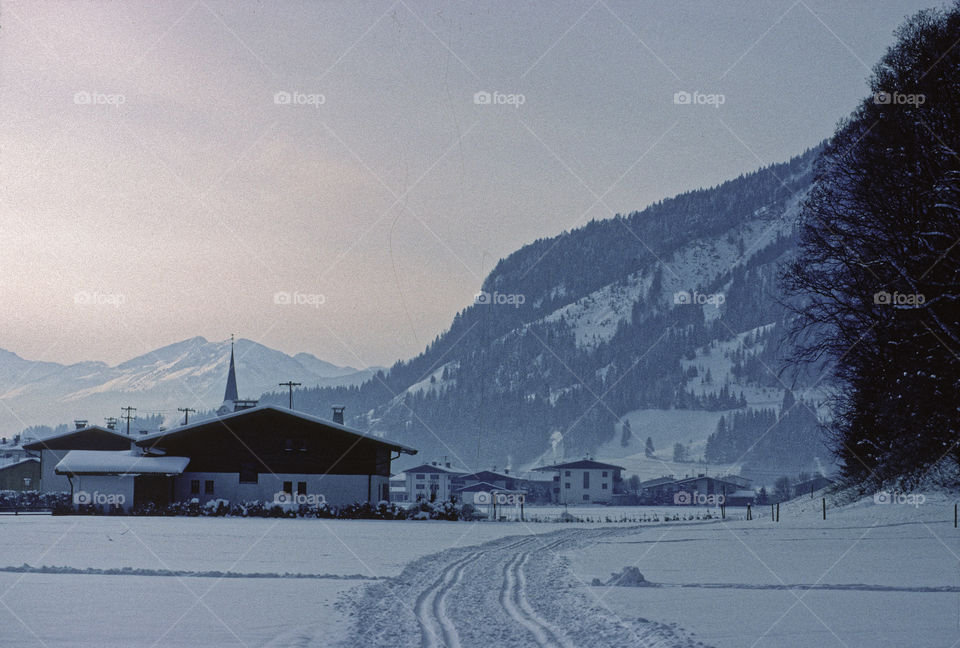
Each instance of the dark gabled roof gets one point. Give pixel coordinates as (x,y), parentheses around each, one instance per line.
(657,481)
(156,439)
(484,486)
(19,462)
(430,468)
(725,479)
(583,464)
(486,475)
(80,440)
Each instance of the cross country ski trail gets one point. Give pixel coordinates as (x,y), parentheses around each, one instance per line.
(515,592)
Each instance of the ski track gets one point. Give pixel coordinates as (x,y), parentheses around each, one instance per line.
(515,592)
(514,600)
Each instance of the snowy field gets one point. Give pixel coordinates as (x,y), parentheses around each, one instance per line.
(870,575)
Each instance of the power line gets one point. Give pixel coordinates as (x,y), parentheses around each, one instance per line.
(290,385)
(128,416)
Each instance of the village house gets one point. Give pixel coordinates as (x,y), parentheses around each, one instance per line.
(20,475)
(431,482)
(52,450)
(584,482)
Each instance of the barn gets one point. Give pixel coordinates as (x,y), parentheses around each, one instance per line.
(248,452)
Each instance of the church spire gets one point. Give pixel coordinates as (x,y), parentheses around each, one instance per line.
(230,394)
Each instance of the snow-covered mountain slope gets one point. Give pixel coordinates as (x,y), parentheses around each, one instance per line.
(191,373)
(670,318)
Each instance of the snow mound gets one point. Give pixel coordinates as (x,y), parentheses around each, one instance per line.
(628,577)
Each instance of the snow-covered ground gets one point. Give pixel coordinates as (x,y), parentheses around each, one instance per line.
(870,575)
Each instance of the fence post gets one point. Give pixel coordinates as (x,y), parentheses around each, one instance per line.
(778,511)
(749,514)
(824,500)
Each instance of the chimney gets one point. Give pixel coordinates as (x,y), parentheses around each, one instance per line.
(338,413)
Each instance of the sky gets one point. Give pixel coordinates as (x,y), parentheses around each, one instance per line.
(328,177)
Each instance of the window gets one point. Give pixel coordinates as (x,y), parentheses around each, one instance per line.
(248,473)
(567,485)
(435,477)
(288,444)
(303,445)
(603,474)
(288,487)
(556,490)
(419,476)
(194,486)
(301,488)
(586,498)
(586,479)
(421,487)
(566,473)
(208,487)
(604,486)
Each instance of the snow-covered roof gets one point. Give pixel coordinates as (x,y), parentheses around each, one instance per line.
(118,462)
(151,438)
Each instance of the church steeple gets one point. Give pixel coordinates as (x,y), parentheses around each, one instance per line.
(230,394)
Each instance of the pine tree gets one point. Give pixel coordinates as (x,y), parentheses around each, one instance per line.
(648,449)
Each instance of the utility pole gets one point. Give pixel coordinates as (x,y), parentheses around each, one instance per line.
(111,422)
(186,413)
(290,385)
(128,416)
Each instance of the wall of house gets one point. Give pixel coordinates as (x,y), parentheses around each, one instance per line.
(24,476)
(335,490)
(442,481)
(51,482)
(103,490)
(595,491)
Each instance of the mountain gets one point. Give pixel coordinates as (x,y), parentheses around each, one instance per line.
(191,373)
(667,321)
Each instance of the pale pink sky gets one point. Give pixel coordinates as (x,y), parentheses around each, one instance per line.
(151,188)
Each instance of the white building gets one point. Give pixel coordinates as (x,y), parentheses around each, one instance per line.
(584,482)
(431,482)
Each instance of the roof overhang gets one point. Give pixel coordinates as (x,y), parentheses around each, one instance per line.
(118,463)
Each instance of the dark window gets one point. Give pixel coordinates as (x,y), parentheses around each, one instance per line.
(288,487)
(288,444)
(586,479)
(603,474)
(420,487)
(419,476)
(248,473)
(567,485)
(301,488)
(208,487)
(556,490)
(435,477)
(566,473)
(586,498)
(303,445)
(604,486)
(194,486)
